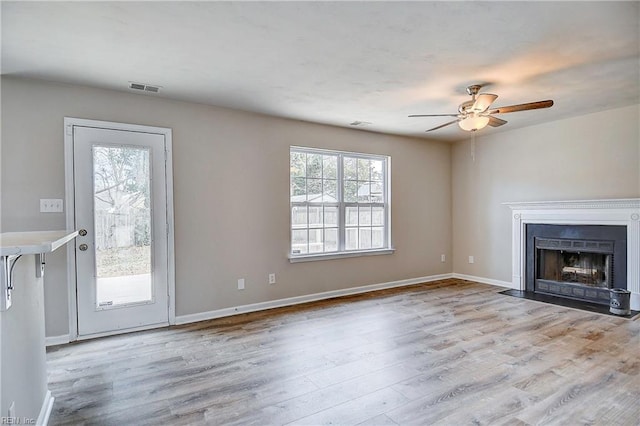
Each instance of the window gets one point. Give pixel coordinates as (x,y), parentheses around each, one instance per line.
(339,203)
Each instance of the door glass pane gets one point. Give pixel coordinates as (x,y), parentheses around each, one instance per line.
(122,225)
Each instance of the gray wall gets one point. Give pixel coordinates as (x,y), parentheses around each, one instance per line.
(588,157)
(218,235)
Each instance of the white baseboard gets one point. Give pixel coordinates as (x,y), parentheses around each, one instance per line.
(491,281)
(57,340)
(45,410)
(225,312)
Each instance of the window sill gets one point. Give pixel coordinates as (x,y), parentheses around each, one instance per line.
(330,256)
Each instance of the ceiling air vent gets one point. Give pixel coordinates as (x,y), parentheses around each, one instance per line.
(144,87)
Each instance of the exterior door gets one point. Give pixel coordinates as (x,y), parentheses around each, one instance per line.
(120,190)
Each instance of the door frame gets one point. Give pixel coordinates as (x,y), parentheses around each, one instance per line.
(72,285)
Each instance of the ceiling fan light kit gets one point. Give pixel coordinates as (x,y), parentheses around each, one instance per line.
(473,122)
(475,114)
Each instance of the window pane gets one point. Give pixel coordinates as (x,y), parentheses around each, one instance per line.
(351,239)
(298,189)
(316,241)
(299,241)
(351,214)
(314,188)
(377,195)
(350,171)
(363,169)
(330,216)
(330,166)
(350,191)
(298,164)
(377,237)
(365,238)
(331,239)
(319,199)
(364,189)
(377,216)
(377,171)
(330,191)
(315,217)
(314,165)
(365,215)
(298,217)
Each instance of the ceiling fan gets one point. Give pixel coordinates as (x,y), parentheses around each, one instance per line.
(475,114)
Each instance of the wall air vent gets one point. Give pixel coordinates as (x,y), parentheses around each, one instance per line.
(144,87)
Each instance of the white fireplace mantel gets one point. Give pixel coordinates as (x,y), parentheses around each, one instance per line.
(582,212)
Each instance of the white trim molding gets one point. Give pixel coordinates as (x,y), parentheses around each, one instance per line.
(226,312)
(57,340)
(624,212)
(45,410)
(339,255)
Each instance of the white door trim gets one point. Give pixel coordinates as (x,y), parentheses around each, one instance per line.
(69,122)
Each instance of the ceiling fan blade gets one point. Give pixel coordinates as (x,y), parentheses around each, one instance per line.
(496,122)
(522,107)
(433,115)
(483,102)
(443,125)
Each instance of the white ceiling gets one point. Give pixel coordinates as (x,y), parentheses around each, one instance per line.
(337,62)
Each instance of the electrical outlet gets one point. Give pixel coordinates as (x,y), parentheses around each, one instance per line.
(51,205)
(241,284)
(443,258)
(471,259)
(272,278)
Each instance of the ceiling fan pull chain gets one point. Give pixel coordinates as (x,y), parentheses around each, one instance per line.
(473,147)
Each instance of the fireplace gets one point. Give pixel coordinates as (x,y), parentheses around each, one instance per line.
(581,262)
(605,268)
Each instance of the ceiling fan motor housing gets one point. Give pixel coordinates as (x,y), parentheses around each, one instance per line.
(465,107)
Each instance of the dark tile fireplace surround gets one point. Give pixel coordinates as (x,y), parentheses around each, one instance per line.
(576,262)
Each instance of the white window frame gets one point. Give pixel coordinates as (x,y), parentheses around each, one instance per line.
(342,205)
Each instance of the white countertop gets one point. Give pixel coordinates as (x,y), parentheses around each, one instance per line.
(33,242)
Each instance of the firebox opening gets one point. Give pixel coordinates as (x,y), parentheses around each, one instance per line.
(588,269)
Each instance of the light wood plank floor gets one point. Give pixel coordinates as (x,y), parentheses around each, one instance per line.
(451,352)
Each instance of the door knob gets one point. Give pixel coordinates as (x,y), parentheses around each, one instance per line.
(82,232)
(83,247)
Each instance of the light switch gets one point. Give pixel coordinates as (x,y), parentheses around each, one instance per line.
(51,205)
